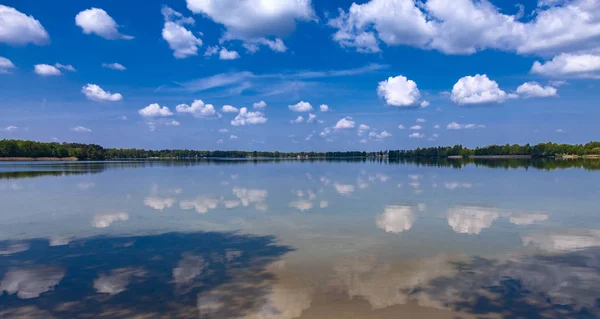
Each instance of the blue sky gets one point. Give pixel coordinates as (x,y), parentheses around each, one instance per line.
(413,74)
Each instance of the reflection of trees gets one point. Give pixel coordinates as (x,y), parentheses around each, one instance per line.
(143,276)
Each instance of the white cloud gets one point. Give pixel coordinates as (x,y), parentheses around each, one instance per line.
(302,205)
(202,204)
(424,104)
(114,66)
(311,118)
(379,136)
(96,93)
(10,128)
(478,89)
(5,65)
(248,118)
(298,120)
(564,241)
(188,268)
(416,135)
(106,219)
(362,129)
(344,189)
(396,219)
(323,204)
(399,91)
(250,196)
(31,282)
(198,109)
(211,50)
(223,130)
(420,120)
(301,107)
(229,109)
(46,70)
(254,21)
(471,219)
(457,126)
(159,203)
(233,137)
(97,21)
(402,127)
(225,54)
(534,89)
(181,40)
(569,65)
(81,129)
(416,127)
(345,123)
(114,283)
(560,130)
(67,67)
(528,219)
(324,107)
(259,105)
(155,110)
(436,126)
(17,28)
(466,26)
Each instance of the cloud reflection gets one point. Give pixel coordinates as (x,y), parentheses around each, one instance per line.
(106,219)
(471,219)
(396,218)
(30,282)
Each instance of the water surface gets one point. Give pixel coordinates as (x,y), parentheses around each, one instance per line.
(292,239)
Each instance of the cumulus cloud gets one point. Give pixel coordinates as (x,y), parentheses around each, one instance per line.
(402,127)
(344,123)
(396,219)
(155,110)
(478,89)
(97,21)
(46,70)
(301,205)
(255,22)
(31,282)
(534,89)
(379,136)
(233,137)
(225,54)
(457,126)
(416,127)
(301,107)
(198,109)
(106,219)
(311,118)
(324,108)
(5,65)
(202,204)
(569,65)
(159,203)
(466,26)
(114,66)
(81,129)
(96,93)
(261,105)
(399,91)
(229,109)
(17,28)
(344,189)
(250,196)
(528,219)
(298,120)
(114,283)
(67,67)
(471,219)
(181,40)
(564,241)
(248,118)
(416,135)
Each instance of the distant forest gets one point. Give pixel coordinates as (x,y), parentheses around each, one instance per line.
(22,148)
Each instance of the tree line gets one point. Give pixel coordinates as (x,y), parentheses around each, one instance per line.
(23,148)
(539,150)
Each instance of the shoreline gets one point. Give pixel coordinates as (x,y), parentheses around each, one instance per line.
(37,159)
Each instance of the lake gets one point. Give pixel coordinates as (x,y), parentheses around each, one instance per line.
(300,239)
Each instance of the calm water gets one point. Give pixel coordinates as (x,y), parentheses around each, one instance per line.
(283,240)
